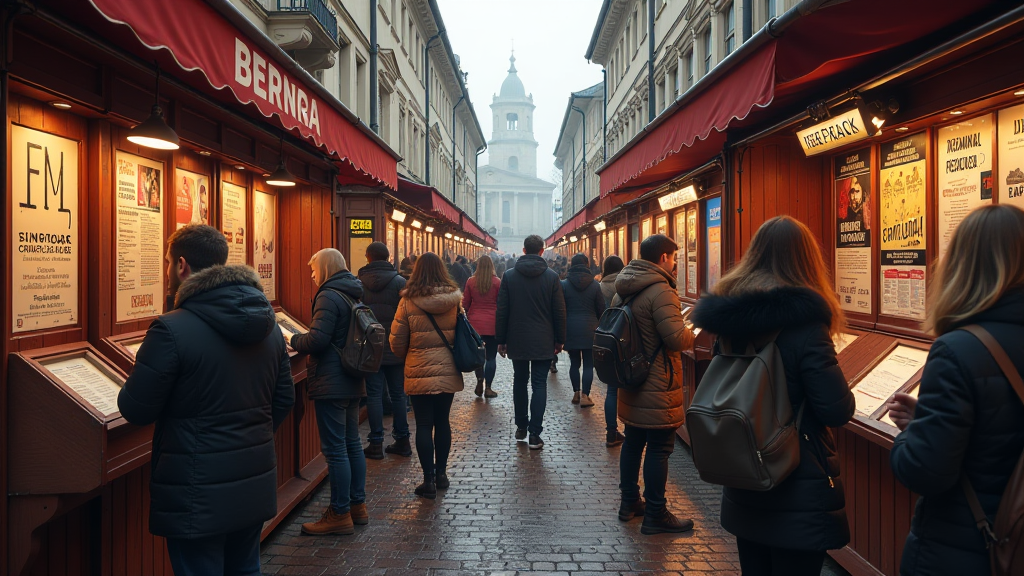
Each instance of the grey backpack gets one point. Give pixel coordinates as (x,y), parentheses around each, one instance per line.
(741,422)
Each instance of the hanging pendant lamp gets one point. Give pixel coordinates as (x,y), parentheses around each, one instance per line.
(154,131)
(281,176)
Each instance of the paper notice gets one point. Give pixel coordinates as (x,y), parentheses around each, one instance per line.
(887,377)
(88,381)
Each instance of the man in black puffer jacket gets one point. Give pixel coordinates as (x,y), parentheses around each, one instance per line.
(382,287)
(215,376)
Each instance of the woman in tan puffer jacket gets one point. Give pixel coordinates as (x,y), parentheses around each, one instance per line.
(431,378)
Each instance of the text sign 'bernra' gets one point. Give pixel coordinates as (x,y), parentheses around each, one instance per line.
(837,131)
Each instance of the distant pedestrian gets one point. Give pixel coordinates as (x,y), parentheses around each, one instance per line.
(530,329)
(653,411)
(460,272)
(609,273)
(966,421)
(481,303)
(214,375)
(584,305)
(335,392)
(499,268)
(430,304)
(782,286)
(382,286)
(405,268)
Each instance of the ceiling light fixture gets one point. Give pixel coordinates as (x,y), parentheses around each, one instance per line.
(239,167)
(281,177)
(1019,93)
(397,215)
(417,224)
(154,131)
(60,105)
(902,129)
(203,152)
(448,235)
(956,112)
(430,228)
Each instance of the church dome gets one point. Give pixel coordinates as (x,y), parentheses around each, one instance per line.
(512,87)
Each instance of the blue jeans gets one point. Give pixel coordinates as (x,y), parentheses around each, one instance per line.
(584,359)
(235,554)
(491,365)
(394,377)
(660,444)
(611,409)
(338,423)
(530,413)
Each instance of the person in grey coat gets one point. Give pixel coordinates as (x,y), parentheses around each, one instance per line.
(610,269)
(584,304)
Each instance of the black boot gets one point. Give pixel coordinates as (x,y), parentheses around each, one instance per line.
(630,510)
(374,451)
(427,490)
(665,522)
(400,446)
(441,481)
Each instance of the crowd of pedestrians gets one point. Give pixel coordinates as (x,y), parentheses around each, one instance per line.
(214,375)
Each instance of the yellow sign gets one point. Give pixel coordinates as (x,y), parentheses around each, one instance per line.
(832,133)
(360,227)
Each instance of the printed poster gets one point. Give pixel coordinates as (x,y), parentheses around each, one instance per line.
(680,230)
(232,220)
(691,250)
(903,202)
(44,230)
(964,172)
(265,241)
(853,230)
(1011,156)
(140,237)
(714,222)
(191,198)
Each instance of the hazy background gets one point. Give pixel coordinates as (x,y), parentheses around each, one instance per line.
(551,37)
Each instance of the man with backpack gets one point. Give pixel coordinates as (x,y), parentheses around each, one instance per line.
(530,329)
(653,410)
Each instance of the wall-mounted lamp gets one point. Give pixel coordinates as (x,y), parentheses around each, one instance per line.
(600,226)
(877,113)
(397,215)
(448,235)
(430,228)
(417,224)
(573,239)
(154,131)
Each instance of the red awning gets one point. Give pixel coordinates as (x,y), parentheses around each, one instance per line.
(571,225)
(429,200)
(470,227)
(203,42)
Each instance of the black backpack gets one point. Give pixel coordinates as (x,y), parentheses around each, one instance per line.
(364,345)
(619,356)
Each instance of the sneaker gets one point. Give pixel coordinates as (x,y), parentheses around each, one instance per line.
(520,434)
(490,393)
(441,481)
(427,490)
(330,523)
(375,451)
(585,401)
(401,446)
(359,515)
(479,386)
(630,510)
(535,442)
(576,397)
(613,439)
(667,522)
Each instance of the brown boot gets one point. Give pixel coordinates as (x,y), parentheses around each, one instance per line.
(330,523)
(359,514)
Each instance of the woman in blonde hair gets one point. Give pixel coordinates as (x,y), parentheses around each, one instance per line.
(967,422)
(335,393)
(481,304)
(782,286)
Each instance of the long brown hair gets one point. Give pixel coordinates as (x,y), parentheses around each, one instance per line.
(429,277)
(484,274)
(783,252)
(985,258)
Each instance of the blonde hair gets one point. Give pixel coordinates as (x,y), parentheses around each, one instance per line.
(985,258)
(327,263)
(783,252)
(484,274)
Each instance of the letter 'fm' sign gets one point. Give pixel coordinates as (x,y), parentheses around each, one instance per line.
(273,87)
(837,131)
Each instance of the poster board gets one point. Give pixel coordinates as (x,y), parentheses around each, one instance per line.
(45,255)
(264,239)
(140,237)
(891,374)
(89,378)
(853,194)
(232,220)
(903,206)
(691,250)
(964,172)
(714,239)
(1011,156)
(680,238)
(191,198)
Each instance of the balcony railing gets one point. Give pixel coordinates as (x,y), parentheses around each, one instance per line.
(318,8)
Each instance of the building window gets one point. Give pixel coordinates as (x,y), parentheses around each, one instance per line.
(513,163)
(707,51)
(689,69)
(512,120)
(730,29)
(769,10)
(506,212)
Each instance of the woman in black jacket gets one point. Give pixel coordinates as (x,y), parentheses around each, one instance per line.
(782,285)
(335,393)
(584,305)
(967,419)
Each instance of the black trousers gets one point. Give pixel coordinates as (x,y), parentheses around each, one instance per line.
(659,444)
(433,431)
(760,560)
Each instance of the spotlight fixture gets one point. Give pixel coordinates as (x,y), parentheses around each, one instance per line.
(154,131)
(600,226)
(1019,93)
(417,224)
(902,129)
(430,229)
(397,215)
(448,235)
(203,152)
(818,111)
(956,112)
(878,113)
(60,105)
(573,239)
(239,167)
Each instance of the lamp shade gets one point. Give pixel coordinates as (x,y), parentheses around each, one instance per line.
(281,177)
(155,133)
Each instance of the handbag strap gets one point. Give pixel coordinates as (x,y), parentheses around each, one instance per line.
(440,332)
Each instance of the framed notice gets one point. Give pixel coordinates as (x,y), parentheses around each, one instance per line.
(853,230)
(44,230)
(691,250)
(1011,156)
(89,378)
(680,230)
(889,376)
(903,206)
(661,225)
(191,198)
(232,220)
(140,237)
(964,172)
(714,227)
(264,248)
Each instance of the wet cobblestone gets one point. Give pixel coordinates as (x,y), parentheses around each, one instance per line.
(511,510)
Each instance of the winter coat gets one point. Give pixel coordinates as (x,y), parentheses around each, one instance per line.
(531,310)
(460,274)
(325,378)
(429,364)
(658,402)
(608,287)
(968,421)
(807,511)
(382,285)
(214,375)
(584,305)
(481,309)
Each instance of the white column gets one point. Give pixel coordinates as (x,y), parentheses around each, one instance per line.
(483,209)
(680,75)
(515,212)
(535,218)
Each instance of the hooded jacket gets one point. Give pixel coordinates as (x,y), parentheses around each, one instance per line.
(584,304)
(531,310)
(658,402)
(968,421)
(429,364)
(325,378)
(382,287)
(608,288)
(214,375)
(481,308)
(807,511)
(460,273)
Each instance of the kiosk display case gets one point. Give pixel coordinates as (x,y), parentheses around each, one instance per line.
(122,349)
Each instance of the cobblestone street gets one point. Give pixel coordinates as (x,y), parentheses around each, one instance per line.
(511,510)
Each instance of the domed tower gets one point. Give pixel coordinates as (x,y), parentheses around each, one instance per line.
(512,146)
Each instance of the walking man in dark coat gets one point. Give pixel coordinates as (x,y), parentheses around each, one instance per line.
(530,329)
(214,375)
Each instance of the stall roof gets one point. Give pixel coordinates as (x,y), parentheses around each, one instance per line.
(428,199)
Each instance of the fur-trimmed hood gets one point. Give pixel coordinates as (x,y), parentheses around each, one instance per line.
(441,301)
(230,299)
(760,312)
